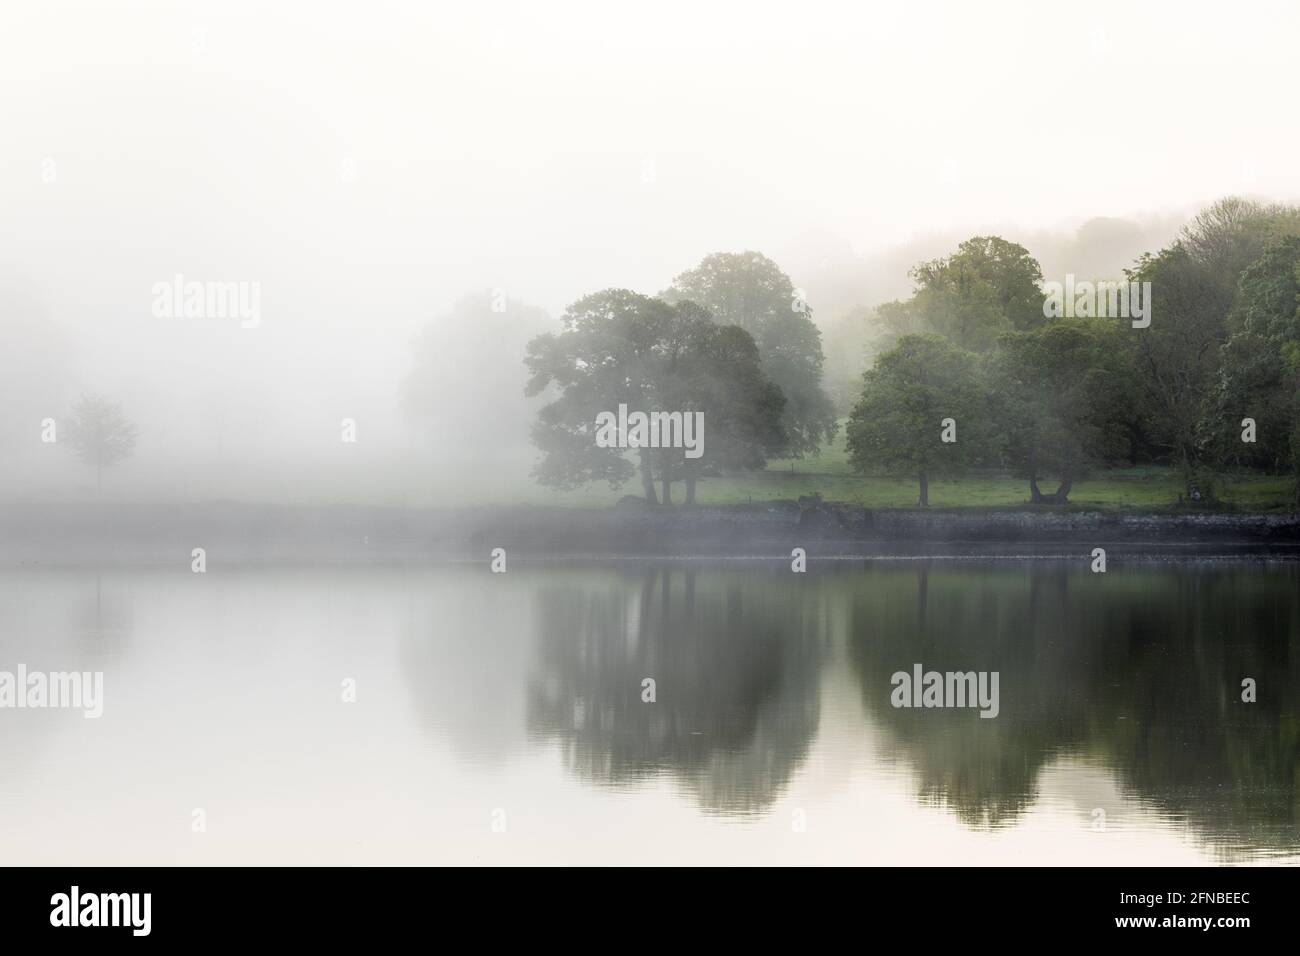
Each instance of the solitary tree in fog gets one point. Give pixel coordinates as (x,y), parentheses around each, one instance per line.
(100,434)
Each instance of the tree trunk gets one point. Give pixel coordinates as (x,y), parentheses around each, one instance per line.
(648,478)
(1188,468)
(667,481)
(1061,496)
(690,491)
(925,490)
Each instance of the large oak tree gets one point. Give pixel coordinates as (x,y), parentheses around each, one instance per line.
(622,348)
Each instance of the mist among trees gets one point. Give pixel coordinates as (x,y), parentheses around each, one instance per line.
(970,374)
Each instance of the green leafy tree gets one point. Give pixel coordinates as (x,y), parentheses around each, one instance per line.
(1232,233)
(100,435)
(1063,396)
(988,287)
(855,339)
(1268,294)
(607,355)
(720,374)
(1260,376)
(1178,360)
(1181,357)
(906,395)
(620,347)
(749,290)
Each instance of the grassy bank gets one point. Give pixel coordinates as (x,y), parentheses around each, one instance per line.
(1151,488)
(1154,489)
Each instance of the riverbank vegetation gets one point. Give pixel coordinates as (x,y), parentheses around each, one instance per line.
(1176,385)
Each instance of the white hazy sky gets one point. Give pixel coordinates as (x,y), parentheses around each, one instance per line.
(500,144)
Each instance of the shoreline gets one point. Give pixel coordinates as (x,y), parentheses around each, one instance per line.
(139,534)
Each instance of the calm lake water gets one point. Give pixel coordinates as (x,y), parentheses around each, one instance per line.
(499,717)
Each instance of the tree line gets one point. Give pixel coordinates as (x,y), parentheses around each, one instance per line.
(1210,384)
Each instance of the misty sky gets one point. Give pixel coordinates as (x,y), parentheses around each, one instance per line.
(370,164)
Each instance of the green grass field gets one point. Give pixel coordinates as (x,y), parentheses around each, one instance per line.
(1142,489)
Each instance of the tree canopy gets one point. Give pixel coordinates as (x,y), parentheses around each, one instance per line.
(749,290)
(1211,381)
(988,287)
(621,348)
(100,434)
(898,424)
(1062,394)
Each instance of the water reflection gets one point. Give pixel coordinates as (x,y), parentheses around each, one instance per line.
(735,662)
(106,615)
(56,621)
(1119,692)
(1138,674)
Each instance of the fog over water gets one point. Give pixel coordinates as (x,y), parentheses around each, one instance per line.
(372,167)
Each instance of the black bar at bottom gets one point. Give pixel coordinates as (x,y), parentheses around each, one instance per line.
(333,906)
